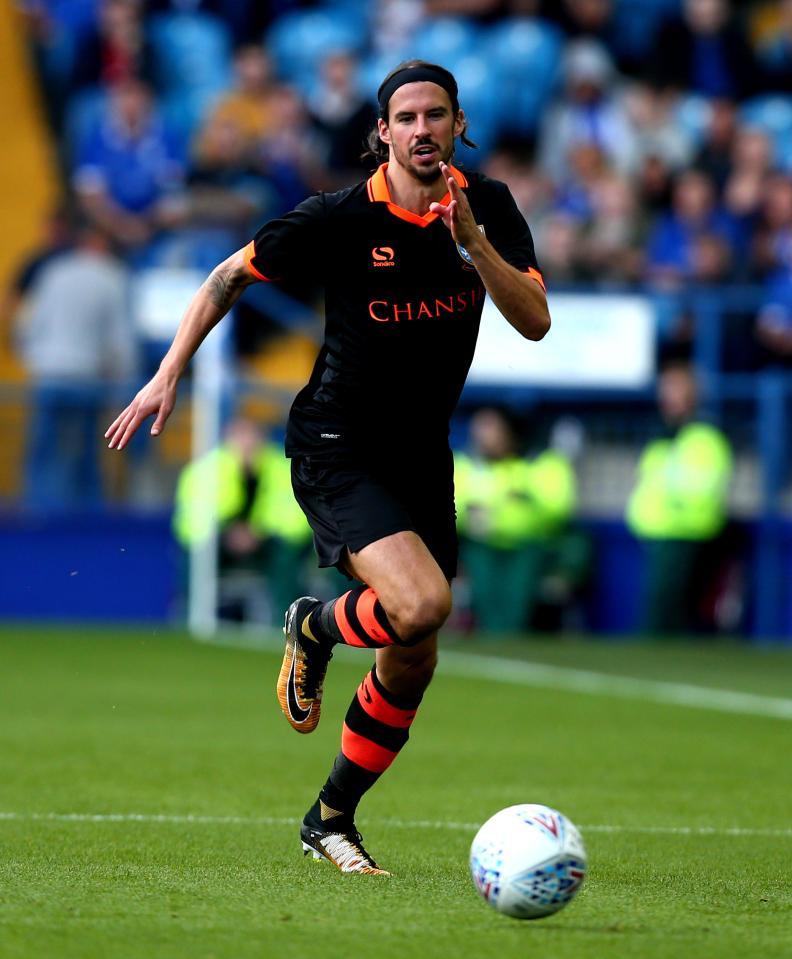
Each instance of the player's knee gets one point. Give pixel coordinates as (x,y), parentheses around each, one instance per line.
(420,615)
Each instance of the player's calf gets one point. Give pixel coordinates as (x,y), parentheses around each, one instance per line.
(408,671)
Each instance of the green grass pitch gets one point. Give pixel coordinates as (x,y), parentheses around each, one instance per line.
(686,812)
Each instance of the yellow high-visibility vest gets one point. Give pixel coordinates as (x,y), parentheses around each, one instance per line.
(510,502)
(682,486)
(215,484)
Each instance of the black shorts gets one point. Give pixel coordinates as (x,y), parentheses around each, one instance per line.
(351,504)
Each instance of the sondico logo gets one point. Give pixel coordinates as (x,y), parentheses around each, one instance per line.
(382,256)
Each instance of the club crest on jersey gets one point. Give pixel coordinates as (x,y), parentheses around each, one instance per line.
(464,253)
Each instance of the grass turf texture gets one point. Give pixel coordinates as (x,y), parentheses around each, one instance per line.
(108,722)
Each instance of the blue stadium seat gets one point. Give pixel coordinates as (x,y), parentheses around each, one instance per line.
(479,98)
(74,16)
(524,45)
(362,10)
(772,113)
(636,23)
(693,113)
(184,112)
(525,54)
(299,41)
(666,8)
(446,40)
(373,70)
(192,52)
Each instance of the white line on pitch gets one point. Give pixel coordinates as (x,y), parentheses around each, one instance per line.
(541,675)
(606,684)
(188,819)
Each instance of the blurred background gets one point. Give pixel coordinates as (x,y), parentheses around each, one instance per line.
(629,475)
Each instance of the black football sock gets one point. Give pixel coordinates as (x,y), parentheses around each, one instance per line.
(376,727)
(354,619)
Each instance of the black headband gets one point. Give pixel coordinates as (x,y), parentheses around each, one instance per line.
(417,75)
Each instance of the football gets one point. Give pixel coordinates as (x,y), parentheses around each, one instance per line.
(528,861)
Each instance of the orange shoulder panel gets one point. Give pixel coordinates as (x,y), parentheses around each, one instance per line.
(249,252)
(536,275)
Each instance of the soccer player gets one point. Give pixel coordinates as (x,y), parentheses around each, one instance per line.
(406,258)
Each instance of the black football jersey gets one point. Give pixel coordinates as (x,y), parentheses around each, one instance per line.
(402,310)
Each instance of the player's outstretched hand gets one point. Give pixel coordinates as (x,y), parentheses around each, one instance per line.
(457,216)
(158,397)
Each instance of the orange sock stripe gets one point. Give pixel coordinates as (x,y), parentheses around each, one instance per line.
(351,638)
(373,703)
(365,612)
(364,752)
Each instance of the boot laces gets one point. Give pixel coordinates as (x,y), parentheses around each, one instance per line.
(347,852)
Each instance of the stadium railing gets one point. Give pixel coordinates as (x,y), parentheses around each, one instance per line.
(754,407)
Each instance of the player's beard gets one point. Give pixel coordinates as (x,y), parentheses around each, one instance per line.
(428,174)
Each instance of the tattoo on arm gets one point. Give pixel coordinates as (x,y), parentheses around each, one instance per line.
(223,286)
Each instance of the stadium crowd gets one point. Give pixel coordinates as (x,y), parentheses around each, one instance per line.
(646,143)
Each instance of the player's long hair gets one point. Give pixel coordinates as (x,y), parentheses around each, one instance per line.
(378,150)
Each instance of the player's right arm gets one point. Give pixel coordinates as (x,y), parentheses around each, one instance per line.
(221,289)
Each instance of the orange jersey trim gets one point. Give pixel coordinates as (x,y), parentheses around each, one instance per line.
(536,275)
(249,252)
(379,192)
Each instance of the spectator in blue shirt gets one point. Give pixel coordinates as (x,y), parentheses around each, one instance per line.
(773,260)
(129,169)
(697,241)
(705,51)
(771,251)
(774,322)
(590,112)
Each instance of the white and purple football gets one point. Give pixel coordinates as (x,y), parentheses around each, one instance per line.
(528,861)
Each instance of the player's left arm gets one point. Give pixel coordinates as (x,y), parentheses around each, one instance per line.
(518,296)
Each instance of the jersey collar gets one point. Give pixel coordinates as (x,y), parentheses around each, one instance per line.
(378,192)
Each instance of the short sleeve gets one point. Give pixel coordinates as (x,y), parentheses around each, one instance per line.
(511,235)
(289,245)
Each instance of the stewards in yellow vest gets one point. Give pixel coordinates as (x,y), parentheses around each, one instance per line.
(678,508)
(511,512)
(246,484)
